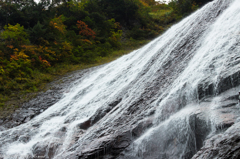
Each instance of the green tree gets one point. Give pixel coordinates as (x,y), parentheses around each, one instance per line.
(37,33)
(185,7)
(10,13)
(123,11)
(14,35)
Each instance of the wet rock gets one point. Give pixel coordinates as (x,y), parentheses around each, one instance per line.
(225,145)
(27,119)
(200,127)
(142,126)
(2,128)
(42,101)
(63,129)
(136,123)
(205,90)
(39,152)
(110,146)
(25,138)
(99,114)
(224,84)
(85,125)
(46,152)
(113,104)
(229,82)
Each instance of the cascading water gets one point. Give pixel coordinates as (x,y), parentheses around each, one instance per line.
(160,101)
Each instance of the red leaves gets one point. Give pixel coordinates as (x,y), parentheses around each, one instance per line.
(85,30)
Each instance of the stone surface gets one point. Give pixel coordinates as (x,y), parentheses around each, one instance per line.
(43,100)
(159,114)
(222,146)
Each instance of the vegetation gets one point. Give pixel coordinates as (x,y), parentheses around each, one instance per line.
(39,41)
(183,8)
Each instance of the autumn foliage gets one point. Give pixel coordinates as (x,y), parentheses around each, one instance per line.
(57,23)
(35,39)
(85,30)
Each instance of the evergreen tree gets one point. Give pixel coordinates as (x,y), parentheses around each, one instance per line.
(37,33)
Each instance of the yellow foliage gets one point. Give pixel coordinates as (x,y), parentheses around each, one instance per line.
(19,55)
(45,63)
(87,41)
(67,46)
(1,70)
(145,4)
(57,23)
(22,55)
(14,35)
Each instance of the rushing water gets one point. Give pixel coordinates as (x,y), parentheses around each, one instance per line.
(157,84)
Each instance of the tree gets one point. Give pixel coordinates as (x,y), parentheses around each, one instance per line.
(149,2)
(183,7)
(14,35)
(85,30)
(37,33)
(10,13)
(123,11)
(202,2)
(57,30)
(57,24)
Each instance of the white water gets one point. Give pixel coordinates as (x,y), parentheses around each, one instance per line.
(203,47)
(216,58)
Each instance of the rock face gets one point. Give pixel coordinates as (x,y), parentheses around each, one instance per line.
(225,145)
(176,97)
(44,100)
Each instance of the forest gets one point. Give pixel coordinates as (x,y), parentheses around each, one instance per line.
(40,41)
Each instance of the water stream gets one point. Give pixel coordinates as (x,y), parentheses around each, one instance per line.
(158,88)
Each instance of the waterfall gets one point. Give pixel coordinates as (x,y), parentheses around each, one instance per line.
(159,101)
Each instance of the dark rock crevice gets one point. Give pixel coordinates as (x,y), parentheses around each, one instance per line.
(222,146)
(112,145)
(205,89)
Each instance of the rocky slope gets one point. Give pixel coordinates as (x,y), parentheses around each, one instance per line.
(43,100)
(176,97)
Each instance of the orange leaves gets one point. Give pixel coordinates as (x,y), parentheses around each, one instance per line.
(47,54)
(85,30)
(33,55)
(45,63)
(10,46)
(13,57)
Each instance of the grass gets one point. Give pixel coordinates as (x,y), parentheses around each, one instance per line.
(160,13)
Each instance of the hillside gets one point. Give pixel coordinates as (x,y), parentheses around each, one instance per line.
(175,97)
(40,41)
